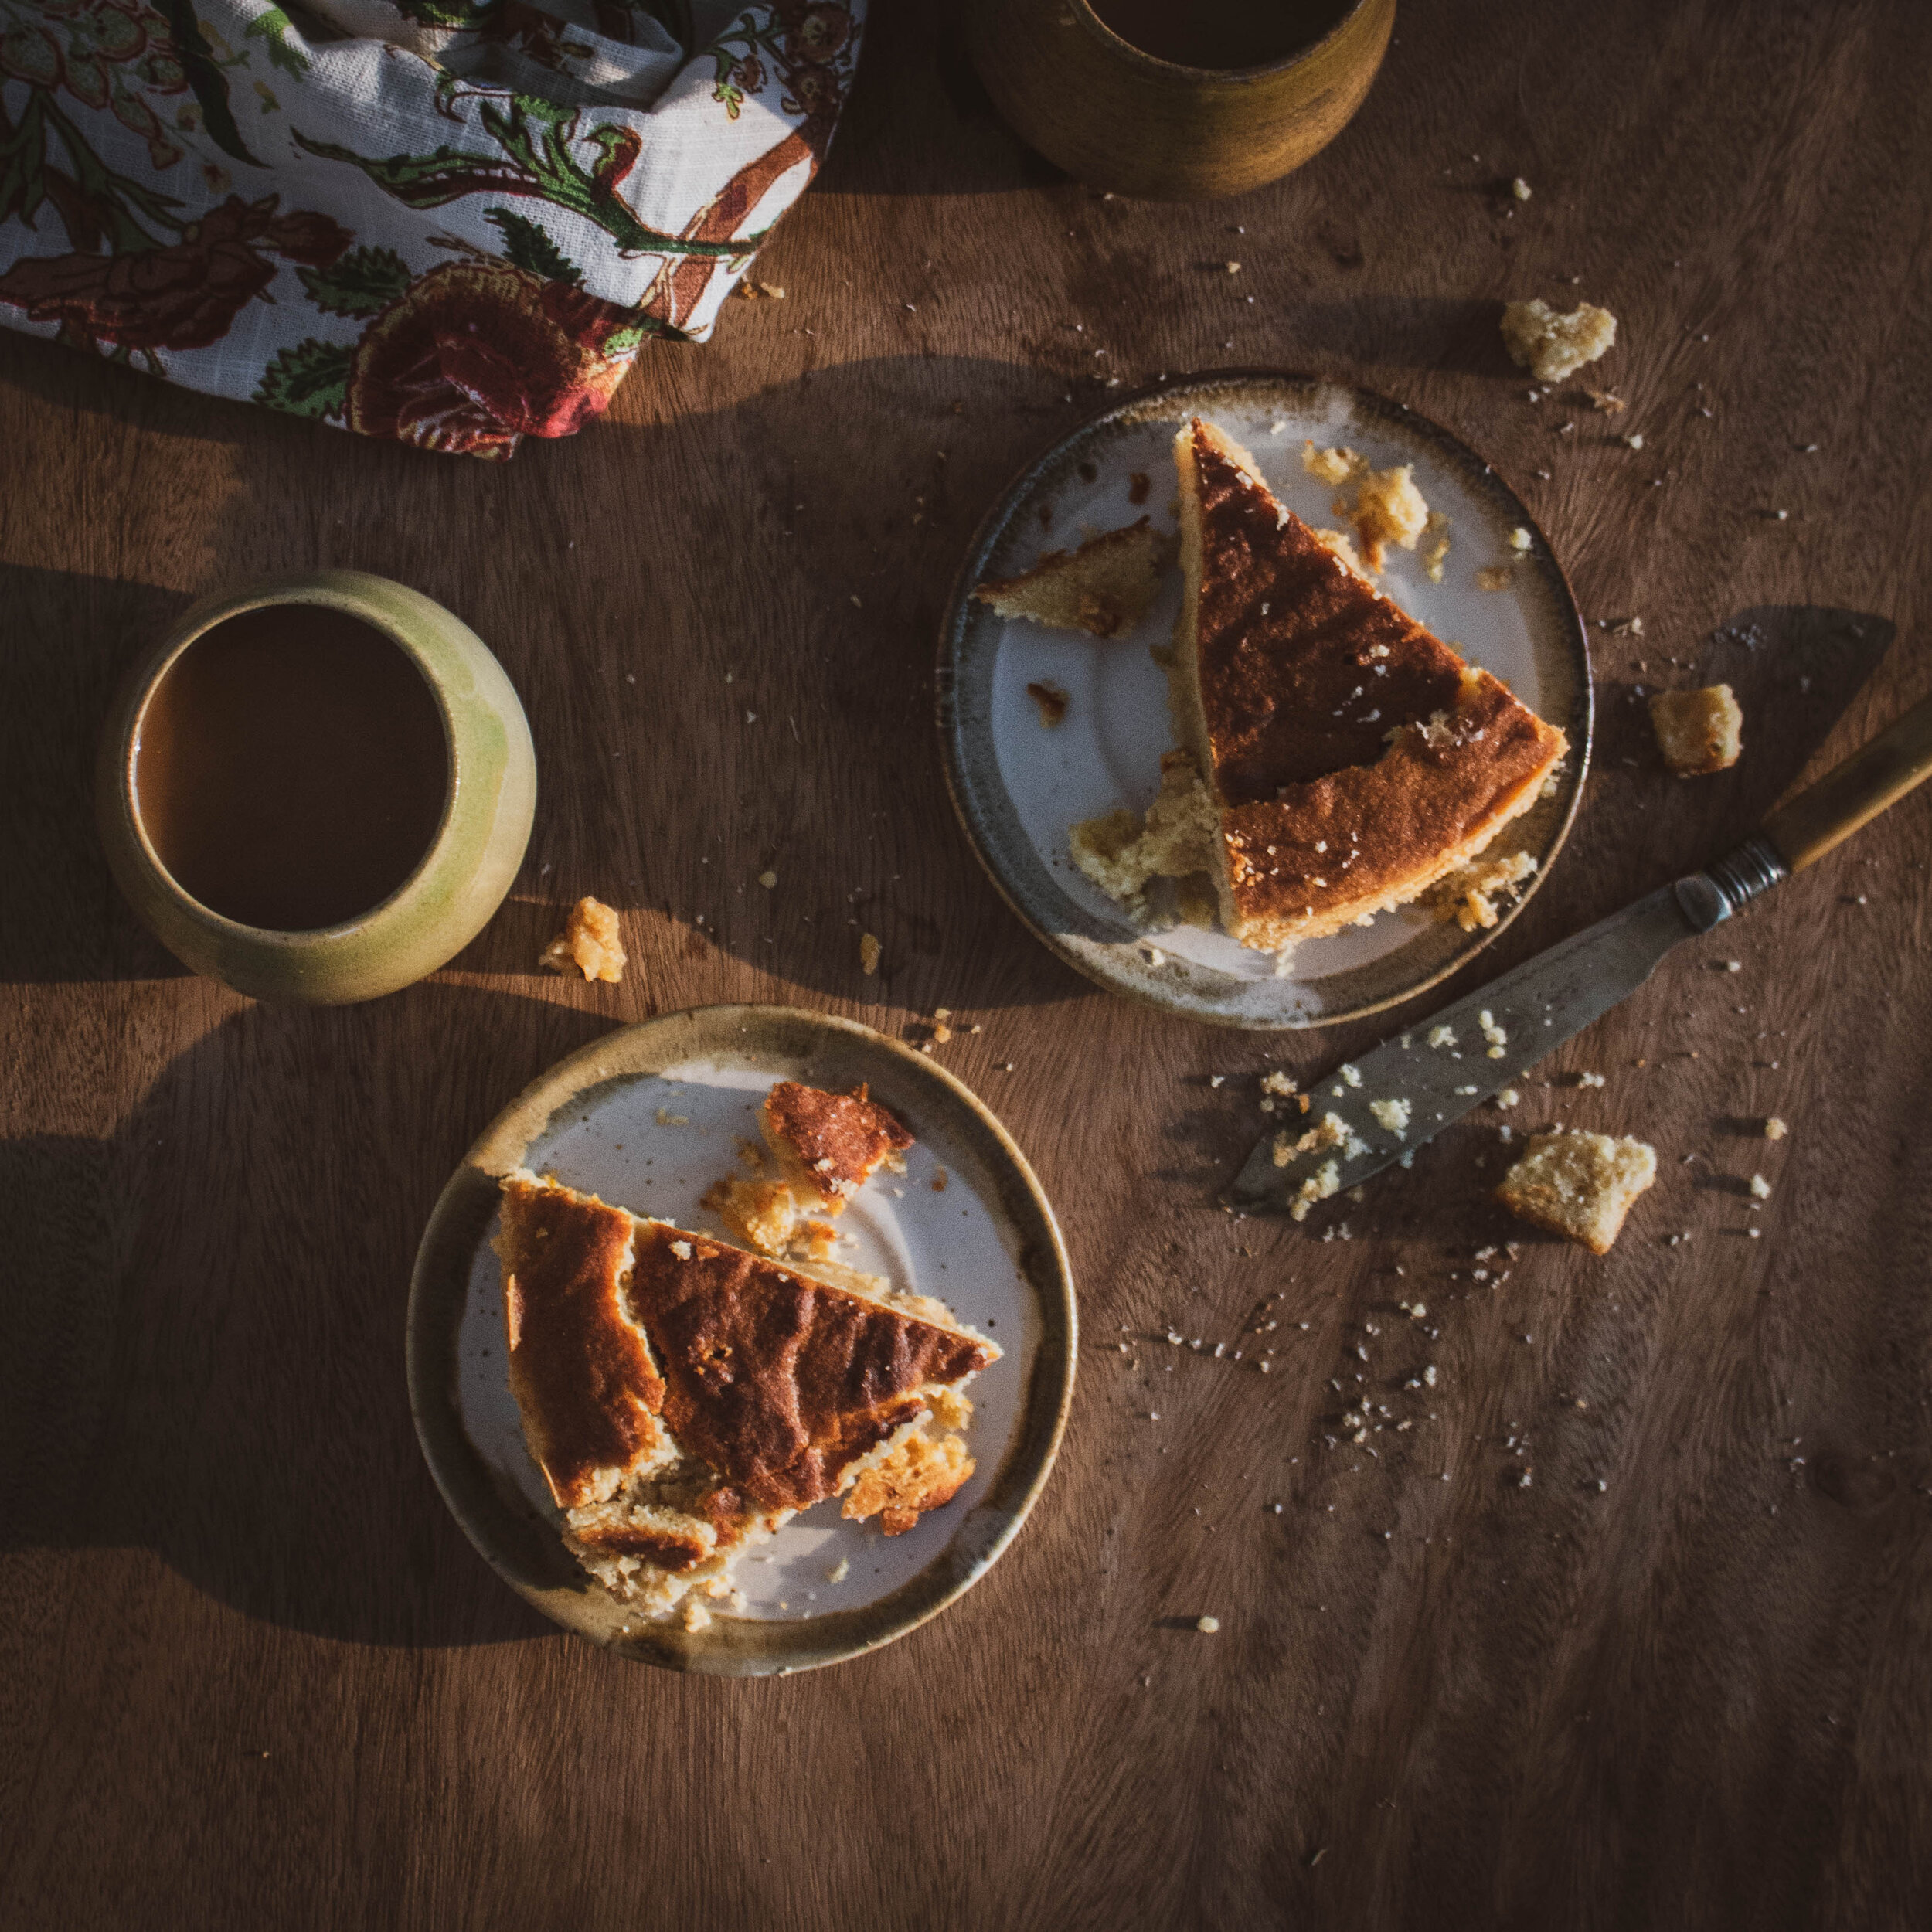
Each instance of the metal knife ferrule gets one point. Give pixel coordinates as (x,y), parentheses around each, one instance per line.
(1726,886)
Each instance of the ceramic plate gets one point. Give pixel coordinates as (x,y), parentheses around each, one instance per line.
(650,1118)
(1018,786)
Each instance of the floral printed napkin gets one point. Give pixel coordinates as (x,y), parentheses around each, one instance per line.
(453,222)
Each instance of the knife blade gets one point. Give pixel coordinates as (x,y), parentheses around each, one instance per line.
(1391,1101)
(1377,1108)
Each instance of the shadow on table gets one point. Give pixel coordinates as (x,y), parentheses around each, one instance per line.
(205,1313)
(69,638)
(1374,331)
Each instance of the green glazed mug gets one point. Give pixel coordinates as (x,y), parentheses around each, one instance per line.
(489,802)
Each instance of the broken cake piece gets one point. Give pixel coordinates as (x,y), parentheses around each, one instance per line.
(1103,588)
(591,944)
(684,1398)
(829,1145)
(1579,1185)
(1698,731)
(1468,894)
(924,1472)
(1551,345)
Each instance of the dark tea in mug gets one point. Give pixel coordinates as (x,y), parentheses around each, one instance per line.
(291,768)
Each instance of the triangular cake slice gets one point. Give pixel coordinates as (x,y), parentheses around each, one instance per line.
(685,1399)
(1350,758)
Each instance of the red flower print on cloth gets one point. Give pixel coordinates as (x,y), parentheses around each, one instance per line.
(479,355)
(184,296)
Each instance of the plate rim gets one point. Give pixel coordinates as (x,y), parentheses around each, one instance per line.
(947,715)
(454,1229)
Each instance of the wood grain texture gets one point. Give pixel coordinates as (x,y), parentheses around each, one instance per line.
(250,1672)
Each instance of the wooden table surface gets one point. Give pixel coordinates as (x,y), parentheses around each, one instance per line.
(254,1673)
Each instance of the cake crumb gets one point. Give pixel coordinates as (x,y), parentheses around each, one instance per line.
(1052,701)
(767,880)
(1579,1185)
(1552,346)
(1775,1129)
(1120,852)
(1760,1187)
(1207,1625)
(682,1249)
(1392,1115)
(869,951)
(1698,731)
(1334,467)
(1388,509)
(1319,1186)
(1469,895)
(589,944)
(1436,552)
(1495,576)
(839,1571)
(1521,189)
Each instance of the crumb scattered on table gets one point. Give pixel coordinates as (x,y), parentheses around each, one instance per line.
(1698,731)
(1551,345)
(1581,1186)
(589,944)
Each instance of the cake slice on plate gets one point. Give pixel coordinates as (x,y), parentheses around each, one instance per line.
(685,1399)
(1348,757)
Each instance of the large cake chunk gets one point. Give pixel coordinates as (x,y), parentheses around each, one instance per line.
(1352,758)
(685,1399)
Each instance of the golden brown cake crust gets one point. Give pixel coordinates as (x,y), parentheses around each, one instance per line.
(1294,692)
(1385,823)
(579,1367)
(829,1142)
(779,1381)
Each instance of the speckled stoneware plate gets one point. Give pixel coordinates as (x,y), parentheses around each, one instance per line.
(650,1116)
(1019,786)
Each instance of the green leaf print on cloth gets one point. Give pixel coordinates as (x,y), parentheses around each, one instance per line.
(453,223)
(529,246)
(310,379)
(272,29)
(363,282)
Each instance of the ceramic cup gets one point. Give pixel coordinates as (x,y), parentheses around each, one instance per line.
(474,854)
(1123,120)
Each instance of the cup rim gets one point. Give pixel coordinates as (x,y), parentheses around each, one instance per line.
(337,592)
(1084,12)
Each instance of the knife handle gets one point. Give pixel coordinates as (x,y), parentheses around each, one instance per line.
(1852,794)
